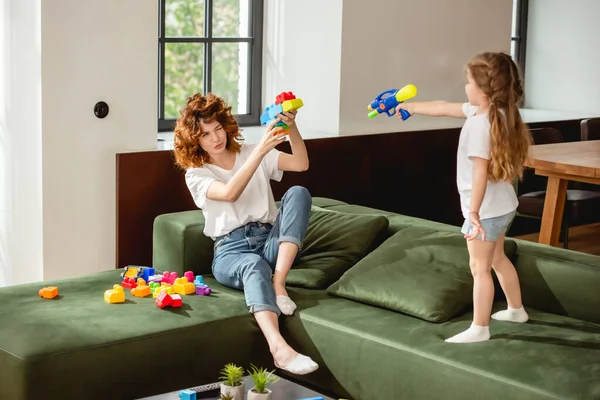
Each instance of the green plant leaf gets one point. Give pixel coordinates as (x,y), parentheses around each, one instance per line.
(262,378)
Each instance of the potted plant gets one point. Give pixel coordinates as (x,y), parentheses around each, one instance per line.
(261,378)
(232,384)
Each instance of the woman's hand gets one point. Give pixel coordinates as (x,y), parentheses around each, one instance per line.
(477,227)
(288,118)
(271,138)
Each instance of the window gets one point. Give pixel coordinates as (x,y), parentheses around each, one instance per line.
(210,46)
(519,32)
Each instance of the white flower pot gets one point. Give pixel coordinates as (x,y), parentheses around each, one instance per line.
(236,391)
(254,395)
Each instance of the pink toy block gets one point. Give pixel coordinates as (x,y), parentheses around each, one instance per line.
(169,277)
(189,275)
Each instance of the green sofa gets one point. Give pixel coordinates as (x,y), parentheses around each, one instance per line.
(372,311)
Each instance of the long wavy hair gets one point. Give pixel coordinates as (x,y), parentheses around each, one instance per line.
(187,150)
(498,77)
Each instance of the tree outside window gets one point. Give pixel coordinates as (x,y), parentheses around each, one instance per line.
(210,46)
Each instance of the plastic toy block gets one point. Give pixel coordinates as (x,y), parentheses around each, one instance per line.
(283,96)
(131,272)
(203,290)
(147,272)
(155,278)
(141,282)
(182,286)
(292,104)
(176,300)
(169,277)
(49,292)
(270,114)
(141,291)
(115,295)
(128,283)
(187,394)
(189,275)
(199,280)
(164,299)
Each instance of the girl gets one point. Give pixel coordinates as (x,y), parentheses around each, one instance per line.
(255,244)
(492,149)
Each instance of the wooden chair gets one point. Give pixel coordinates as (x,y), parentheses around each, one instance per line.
(590,129)
(581,206)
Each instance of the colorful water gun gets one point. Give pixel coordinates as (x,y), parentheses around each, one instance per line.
(386,102)
(284,102)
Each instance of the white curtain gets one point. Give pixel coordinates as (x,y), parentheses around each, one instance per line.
(20,142)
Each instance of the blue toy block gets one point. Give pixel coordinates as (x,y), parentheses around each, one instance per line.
(199,281)
(187,394)
(271,113)
(147,272)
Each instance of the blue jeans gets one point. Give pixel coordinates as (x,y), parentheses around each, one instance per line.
(245,258)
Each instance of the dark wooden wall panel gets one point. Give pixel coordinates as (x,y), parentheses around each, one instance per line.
(412,173)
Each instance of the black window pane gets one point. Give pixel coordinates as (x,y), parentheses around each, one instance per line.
(184,75)
(184,18)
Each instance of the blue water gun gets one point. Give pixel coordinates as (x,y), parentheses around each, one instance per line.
(387,101)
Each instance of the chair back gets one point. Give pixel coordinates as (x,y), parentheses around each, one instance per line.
(532,182)
(590,129)
(546,135)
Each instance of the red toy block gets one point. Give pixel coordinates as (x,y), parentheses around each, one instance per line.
(129,283)
(176,300)
(164,299)
(283,96)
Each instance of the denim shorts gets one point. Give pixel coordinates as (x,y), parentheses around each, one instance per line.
(494,227)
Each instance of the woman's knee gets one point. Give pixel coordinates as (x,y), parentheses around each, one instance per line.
(299,193)
(255,266)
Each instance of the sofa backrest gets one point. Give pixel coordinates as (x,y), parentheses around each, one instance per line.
(559,281)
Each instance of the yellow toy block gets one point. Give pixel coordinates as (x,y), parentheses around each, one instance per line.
(49,292)
(293,104)
(141,282)
(115,295)
(141,291)
(182,286)
(168,289)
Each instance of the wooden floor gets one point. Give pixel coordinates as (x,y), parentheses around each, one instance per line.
(584,238)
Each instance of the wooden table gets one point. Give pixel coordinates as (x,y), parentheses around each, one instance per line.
(562,162)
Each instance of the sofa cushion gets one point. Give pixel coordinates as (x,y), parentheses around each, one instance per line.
(334,242)
(417,271)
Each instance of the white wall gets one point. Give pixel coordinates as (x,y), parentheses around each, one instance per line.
(20,142)
(92,51)
(388,44)
(562,61)
(302,54)
(382,44)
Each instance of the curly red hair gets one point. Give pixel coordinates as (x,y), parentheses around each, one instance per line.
(187,150)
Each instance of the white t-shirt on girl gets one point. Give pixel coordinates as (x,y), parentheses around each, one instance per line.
(255,204)
(500,197)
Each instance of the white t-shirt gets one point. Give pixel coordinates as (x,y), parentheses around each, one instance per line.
(500,197)
(255,204)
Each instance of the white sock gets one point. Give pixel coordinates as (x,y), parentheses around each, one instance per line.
(300,365)
(285,304)
(511,315)
(475,333)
